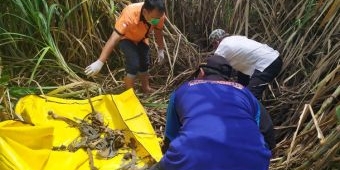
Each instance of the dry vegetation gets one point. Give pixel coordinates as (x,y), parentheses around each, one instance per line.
(44,46)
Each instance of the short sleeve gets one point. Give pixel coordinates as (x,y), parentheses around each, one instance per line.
(122,22)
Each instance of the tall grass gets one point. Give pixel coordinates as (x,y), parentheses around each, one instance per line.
(306,33)
(38,17)
(50,42)
(197,18)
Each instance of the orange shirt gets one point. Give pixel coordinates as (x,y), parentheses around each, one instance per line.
(132,25)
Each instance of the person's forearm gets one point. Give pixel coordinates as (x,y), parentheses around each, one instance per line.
(109,46)
(173,124)
(159,38)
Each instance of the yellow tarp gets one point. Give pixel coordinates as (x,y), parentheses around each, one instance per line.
(27,147)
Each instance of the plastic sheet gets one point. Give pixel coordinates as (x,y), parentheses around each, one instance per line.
(29,147)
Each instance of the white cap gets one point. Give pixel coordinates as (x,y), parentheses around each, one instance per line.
(216,35)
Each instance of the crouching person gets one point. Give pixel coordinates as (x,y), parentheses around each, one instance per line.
(215,124)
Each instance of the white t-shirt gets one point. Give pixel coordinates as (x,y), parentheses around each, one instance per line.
(246,55)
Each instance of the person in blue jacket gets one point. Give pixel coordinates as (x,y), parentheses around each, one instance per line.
(213,123)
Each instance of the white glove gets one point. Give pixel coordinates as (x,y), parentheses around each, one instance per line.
(160,55)
(94,68)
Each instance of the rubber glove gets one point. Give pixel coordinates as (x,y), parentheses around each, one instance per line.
(94,68)
(160,55)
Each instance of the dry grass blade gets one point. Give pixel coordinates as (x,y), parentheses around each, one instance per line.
(292,145)
(331,13)
(332,140)
(64,89)
(320,134)
(5,100)
(328,102)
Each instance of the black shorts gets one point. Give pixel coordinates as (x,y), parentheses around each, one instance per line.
(136,56)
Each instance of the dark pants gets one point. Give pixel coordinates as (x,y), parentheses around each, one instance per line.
(258,82)
(136,56)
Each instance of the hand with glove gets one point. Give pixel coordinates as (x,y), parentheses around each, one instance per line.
(94,68)
(160,55)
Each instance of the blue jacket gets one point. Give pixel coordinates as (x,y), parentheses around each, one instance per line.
(214,125)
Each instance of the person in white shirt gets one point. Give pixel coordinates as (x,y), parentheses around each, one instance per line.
(257,63)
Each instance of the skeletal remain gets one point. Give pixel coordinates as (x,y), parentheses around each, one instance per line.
(91,163)
(95,135)
(65,119)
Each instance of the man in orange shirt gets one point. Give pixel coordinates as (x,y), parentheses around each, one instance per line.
(131,34)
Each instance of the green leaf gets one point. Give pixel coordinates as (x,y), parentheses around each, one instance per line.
(23,91)
(43,53)
(4,79)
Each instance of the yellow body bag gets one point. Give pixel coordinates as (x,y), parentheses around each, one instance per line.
(29,147)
